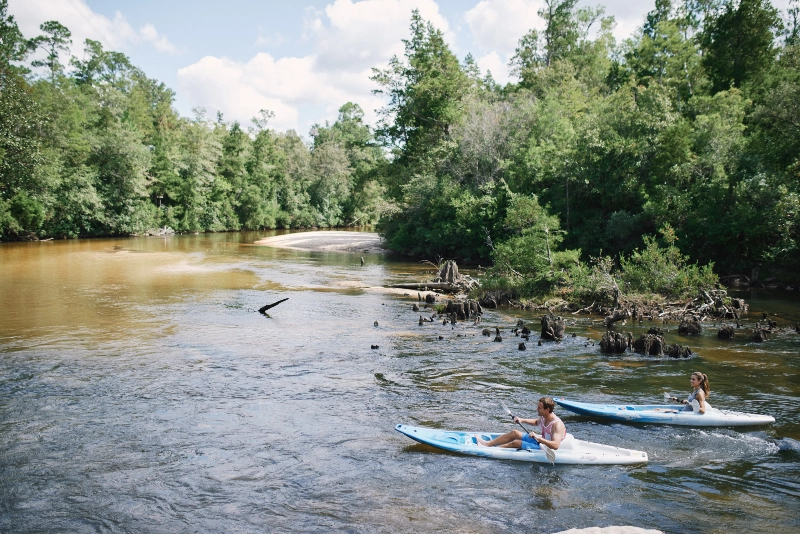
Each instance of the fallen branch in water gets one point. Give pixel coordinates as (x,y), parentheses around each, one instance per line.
(425,286)
(263,309)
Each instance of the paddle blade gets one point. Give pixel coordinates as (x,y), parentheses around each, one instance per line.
(549,453)
(695,405)
(503,404)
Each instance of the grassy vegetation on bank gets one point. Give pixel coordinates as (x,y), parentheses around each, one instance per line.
(655,273)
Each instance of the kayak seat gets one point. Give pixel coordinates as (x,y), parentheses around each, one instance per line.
(567,443)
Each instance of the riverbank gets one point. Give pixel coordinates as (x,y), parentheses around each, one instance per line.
(328,241)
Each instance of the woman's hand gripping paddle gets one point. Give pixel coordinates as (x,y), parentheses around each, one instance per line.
(695,405)
(548,452)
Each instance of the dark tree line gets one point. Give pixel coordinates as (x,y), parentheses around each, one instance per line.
(685,132)
(676,148)
(94,147)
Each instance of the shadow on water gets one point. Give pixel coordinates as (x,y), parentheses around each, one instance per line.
(140,391)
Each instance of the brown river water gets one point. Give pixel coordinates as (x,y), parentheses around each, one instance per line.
(140,392)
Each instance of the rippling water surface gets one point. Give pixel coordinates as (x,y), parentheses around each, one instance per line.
(140,392)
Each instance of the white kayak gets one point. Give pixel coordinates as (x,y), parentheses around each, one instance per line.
(571,451)
(667,414)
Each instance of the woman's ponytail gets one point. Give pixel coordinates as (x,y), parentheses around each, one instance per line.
(704,383)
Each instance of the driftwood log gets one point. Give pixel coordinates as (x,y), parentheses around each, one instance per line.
(448,279)
(708,303)
(263,309)
(426,286)
(617,315)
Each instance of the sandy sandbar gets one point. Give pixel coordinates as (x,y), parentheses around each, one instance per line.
(328,240)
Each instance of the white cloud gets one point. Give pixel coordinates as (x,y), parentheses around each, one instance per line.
(225,85)
(268,40)
(349,39)
(498,25)
(496,65)
(367,33)
(149,33)
(85,24)
(285,86)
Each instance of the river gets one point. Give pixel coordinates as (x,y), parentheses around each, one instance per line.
(141,392)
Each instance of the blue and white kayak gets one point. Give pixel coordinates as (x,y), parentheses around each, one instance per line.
(571,451)
(666,414)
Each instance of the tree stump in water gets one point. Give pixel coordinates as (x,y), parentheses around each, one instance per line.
(489,302)
(649,344)
(464,309)
(448,272)
(690,325)
(726,332)
(759,334)
(553,328)
(739,305)
(677,351)
(430,298)
(614,342)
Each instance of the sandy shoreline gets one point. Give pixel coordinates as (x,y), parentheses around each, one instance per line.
(328,241)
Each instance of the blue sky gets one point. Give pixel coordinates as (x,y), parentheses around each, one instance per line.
(301,59)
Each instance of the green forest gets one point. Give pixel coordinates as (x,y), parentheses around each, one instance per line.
(659,162)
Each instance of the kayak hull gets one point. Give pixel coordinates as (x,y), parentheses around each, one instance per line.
(572,451)
(667,414)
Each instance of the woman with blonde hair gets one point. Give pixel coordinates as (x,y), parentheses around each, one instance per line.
(700,392)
